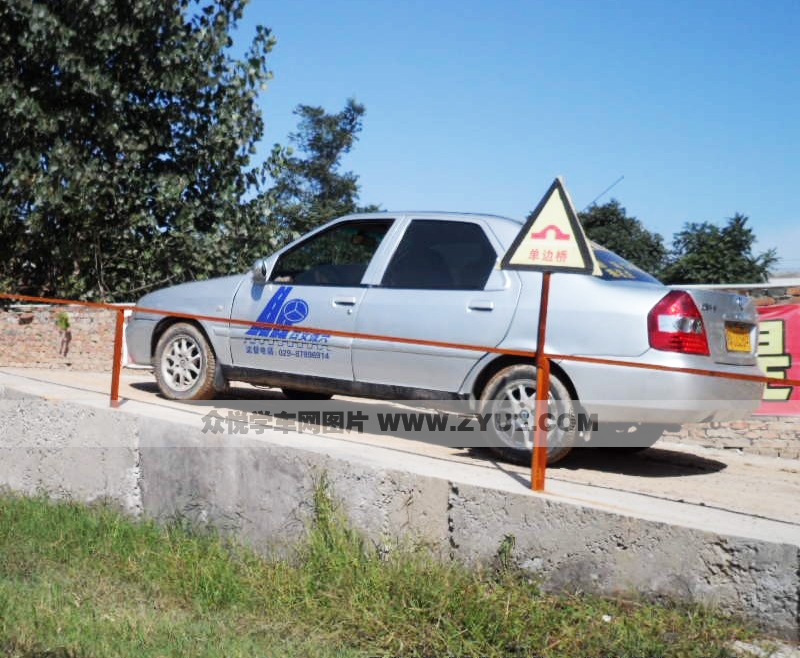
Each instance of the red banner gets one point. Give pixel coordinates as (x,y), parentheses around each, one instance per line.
(779,356)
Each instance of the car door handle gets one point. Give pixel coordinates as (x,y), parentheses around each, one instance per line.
(480,305)
(344,301)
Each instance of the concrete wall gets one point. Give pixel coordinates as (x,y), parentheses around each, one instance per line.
(263,493)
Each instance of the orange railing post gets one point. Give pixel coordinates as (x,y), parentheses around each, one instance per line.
(117,366)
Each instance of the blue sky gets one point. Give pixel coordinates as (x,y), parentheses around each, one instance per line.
(478,105)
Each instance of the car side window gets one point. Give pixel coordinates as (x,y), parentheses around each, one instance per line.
(441,255)
(338,256)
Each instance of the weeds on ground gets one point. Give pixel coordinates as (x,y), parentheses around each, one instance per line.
(78,582)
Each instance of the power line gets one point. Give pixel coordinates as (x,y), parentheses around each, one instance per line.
(610,187)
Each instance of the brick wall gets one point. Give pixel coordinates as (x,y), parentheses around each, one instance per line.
(30,338)
(772,436)
(774,296)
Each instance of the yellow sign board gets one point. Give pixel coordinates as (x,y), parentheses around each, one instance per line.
(552,239)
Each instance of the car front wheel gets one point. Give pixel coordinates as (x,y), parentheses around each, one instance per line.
(185,364)
(510,398)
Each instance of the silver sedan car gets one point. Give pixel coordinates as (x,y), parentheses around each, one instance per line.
(436,277)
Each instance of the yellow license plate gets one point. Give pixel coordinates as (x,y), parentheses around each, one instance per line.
(737,338)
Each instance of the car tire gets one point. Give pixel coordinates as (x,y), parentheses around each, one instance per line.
(185,364)
(513,389)
(297,394)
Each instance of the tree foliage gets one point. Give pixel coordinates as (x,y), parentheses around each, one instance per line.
(309,188)
(610,226)
(706,253)
(126,131)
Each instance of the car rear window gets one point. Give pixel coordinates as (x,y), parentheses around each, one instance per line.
(441,255)
(615,268)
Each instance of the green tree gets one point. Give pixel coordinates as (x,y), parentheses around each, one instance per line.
(706,253)
(308,187)
(126,131)
(610,226)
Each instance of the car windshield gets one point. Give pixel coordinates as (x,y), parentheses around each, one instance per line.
(616,268)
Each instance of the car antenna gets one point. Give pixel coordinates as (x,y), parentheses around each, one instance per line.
(608,189)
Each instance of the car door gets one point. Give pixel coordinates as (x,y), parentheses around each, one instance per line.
(315,282)
(442,284)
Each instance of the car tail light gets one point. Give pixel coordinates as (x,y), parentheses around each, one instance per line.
(675,325)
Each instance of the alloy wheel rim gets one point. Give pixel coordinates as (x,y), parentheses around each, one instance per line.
(182,363)
(513,416)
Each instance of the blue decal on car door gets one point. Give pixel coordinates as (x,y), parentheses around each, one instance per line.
(272,313)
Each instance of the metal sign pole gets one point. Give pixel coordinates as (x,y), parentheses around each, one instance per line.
(117,365)
(539,454)
(551,240)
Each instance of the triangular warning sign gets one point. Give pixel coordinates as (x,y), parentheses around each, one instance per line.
(552,239)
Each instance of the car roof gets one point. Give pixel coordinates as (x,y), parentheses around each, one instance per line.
(437,214)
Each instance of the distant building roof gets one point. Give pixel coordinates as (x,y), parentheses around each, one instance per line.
(773,282)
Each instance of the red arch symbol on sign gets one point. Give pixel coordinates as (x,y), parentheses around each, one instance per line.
(558,234)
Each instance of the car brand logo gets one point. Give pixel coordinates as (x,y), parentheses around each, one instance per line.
(294,311)
(741,302)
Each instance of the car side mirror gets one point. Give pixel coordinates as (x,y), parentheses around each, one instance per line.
(260,271)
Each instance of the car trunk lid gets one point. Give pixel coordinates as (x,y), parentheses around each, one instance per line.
(731,324)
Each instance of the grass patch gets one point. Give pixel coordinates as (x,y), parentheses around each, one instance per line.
(81,582)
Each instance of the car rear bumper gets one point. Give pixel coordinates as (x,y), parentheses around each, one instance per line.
(620,394)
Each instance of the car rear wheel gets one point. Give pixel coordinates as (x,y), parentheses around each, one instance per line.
(185,364)
(510,398)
